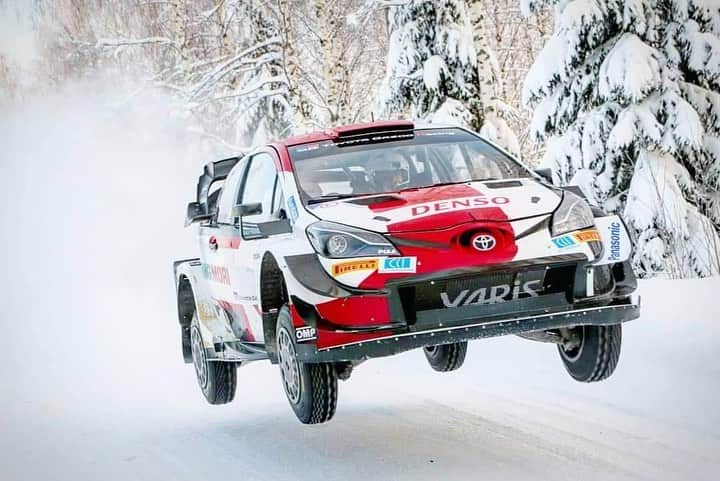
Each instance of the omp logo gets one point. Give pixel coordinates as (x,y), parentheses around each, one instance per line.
(614,241)
(305,334)
(354,266)
(458,204)
(492,295)
(398,264)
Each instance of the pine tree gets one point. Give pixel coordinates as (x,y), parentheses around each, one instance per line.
(609,94)
(264,105)
(694,43)
(432,64)
(490,85)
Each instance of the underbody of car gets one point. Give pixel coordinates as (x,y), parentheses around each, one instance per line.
(364,241)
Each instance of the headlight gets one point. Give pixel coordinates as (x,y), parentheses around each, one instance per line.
(339,241)
(573,214)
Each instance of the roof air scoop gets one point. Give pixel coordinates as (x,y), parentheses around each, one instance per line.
(372,132)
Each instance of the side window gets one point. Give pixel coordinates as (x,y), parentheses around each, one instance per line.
(260,186)
(230,193)
(279,199)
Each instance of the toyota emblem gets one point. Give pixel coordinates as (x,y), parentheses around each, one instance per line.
(483,242)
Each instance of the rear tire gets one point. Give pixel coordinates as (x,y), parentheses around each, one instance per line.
(311,389)
(217,379)
(446,357)
(596,356)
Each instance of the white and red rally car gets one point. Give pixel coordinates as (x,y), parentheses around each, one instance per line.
(325,250)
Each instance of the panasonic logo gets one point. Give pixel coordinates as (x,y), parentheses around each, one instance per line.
(492,295)
(614,241)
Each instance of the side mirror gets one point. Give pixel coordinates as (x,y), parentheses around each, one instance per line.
(195,213)
(545,174)
(242,210)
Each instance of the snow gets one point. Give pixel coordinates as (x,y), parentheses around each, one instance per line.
(433,70)
(95,388)
(630,70)
(546,69)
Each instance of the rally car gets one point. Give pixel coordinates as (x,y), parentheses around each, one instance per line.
(325,250)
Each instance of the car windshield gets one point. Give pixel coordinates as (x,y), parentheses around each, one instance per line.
(326,170)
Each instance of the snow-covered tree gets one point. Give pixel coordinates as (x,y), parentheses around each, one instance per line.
(495,125)
(432,63)
(610,92)
(265,109)
(693,42)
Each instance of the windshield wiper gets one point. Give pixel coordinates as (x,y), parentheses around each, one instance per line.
(328,198)
(441,184)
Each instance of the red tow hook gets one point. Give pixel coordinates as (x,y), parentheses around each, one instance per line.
(213,243)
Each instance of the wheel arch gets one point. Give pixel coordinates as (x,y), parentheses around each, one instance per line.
(186,309)
(273,294)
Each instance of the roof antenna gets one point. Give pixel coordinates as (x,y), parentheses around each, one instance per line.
(372,116)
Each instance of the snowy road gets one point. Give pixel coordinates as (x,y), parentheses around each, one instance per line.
(93,386)
(510,413)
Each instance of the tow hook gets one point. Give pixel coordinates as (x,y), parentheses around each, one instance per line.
(343,370)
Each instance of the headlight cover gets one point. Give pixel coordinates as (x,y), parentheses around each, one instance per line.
(573,214)
(338,241)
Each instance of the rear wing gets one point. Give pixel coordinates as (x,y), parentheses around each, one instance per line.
(213,172)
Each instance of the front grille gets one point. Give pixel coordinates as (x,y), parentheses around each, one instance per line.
(485,288)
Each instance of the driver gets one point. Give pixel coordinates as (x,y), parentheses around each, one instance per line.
(387,174)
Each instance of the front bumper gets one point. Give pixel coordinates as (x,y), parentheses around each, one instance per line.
(573,293)
(492,326)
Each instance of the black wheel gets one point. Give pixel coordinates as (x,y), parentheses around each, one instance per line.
(446,357)
(311,388)
(217,379)
(594,354)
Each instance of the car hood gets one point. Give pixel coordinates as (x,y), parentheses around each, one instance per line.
(442,207)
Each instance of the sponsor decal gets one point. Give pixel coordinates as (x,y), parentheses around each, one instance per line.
(493,294)
(216,273)
(483,242)
(205,311)
(615,247)
(354,266)
(587,235)
(398,264)
(564,241)
(458,204)
(305,334)
(580,237)
(292,208)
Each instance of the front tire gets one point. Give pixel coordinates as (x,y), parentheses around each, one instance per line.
(217,379)
(595,356)
(311,389)
(446,357)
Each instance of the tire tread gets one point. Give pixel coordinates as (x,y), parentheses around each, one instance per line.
(447,357)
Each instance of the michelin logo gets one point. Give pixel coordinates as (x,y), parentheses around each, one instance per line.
(398,265)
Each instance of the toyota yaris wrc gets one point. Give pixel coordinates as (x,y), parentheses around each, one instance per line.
(325,250)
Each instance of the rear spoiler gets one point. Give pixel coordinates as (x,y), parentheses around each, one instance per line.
(212,172)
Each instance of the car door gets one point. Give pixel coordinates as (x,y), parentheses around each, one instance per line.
(217,238)
(259,186)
